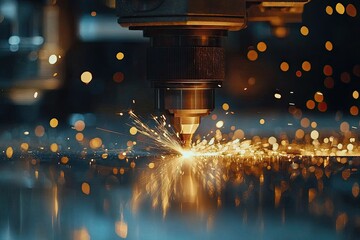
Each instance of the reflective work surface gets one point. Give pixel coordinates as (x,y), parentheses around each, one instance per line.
(45,197)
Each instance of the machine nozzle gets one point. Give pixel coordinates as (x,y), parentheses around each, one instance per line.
(185,66)
(185,123)
(186,60)
(186,140)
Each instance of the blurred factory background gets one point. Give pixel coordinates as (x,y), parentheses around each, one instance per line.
(59,57)
(67,64)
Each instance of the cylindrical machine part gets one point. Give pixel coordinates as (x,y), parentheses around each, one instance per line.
(186,60)
(185,65)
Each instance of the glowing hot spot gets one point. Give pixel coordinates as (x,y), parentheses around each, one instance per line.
(187,154)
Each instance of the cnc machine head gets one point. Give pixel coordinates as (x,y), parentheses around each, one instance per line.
(186,61)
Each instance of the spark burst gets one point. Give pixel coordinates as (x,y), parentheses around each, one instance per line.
(179,175)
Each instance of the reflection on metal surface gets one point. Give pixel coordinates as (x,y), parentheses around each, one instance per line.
(257,187)
(259,198)
(82,188)
(104,27)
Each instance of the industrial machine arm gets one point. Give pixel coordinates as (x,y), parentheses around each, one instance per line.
(186,61)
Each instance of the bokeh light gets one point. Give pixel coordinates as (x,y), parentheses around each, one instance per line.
(79,137)
(85,188)
(64,160)
(299,134)
(329,10)
(39,131)
(340,9)
(118,77)
(304,30)
(133,130)
(86,77)
(355,94)
(314,134)
(95,143)
(344,127)
(354,110)
(322,106)
(319,97)
(79,125)
(120,56)
(225,106)
(306,66)
(310,104)
(328,70)
(54,147)
(252,55)
(351,10)
(284,66)
(24,147)
(305,122)
(220,124)
(261,46)
(54,122)
(328,46)
(53,59)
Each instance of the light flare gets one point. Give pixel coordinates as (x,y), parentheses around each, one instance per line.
(177,174)
(187,154)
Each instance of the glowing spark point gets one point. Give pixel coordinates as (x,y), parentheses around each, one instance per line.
(187,154)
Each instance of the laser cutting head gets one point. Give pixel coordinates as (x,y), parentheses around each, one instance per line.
(186,60)
(185,66)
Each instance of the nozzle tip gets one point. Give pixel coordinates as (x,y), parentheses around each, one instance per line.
(186,140)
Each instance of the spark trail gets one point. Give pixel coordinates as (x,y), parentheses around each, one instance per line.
(179,175)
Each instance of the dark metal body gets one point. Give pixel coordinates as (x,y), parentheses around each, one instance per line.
(186,59)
